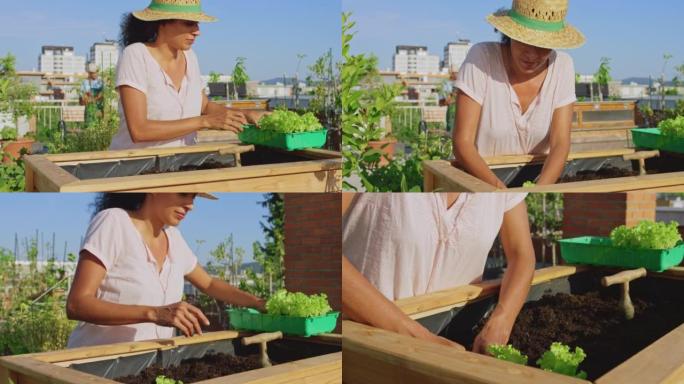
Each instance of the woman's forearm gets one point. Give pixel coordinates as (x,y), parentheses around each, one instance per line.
(515,286)
(363,303)
(554,165)
(227,293)
(473,163)
(95,311)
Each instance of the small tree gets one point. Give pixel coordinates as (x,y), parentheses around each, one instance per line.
(15,97)
(666,59)
(602,76)
(240,76)
(271,254)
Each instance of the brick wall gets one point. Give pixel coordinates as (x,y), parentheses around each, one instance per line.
(313,245)
(597,214)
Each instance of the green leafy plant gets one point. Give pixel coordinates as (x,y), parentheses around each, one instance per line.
(15,97)
(290,122)
(297,304)
(12,176)
(529,184)
(647,235)
(240,76)
(166,380)
(672,127)
(559,359)
(8,133)
(508,353)
(214,77)
(602,76)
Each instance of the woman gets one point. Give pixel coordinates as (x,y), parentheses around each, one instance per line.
(129,279)
(404,245)
(516,97)
(162,102)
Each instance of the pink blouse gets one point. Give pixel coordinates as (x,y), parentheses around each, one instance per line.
(503,128)
(132,277)
(410,244)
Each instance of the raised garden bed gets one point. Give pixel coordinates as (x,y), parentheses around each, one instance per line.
(577,310)
(221,167)
(210,358)
(604,171)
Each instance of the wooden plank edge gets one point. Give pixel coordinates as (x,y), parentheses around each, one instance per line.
(372,355)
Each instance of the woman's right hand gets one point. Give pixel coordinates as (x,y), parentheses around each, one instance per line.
(183,316)
(226,120)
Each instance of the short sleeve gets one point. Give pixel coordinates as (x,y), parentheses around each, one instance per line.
(566,84)
(183,255)
(104,236)
(131,68)
(472,78)
(512,200)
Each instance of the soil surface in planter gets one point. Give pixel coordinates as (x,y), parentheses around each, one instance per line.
(603,173)
(194,370)
(596,323)
(185,168)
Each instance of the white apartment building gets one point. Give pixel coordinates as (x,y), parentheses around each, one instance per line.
(60,60)
(415,59)
(105,55)
(455,54)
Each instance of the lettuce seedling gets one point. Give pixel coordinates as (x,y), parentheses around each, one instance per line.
(290,122)
(559,359)
(647,235)
(297,304)
(508,353)
(166,380)
(673,128)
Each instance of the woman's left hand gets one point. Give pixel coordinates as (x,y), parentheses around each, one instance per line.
(496,331)
(260,305)
(253,117)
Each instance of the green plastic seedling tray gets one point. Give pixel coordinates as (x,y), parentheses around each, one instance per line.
(252,320)
(652,138)
(286,141)
(600,251)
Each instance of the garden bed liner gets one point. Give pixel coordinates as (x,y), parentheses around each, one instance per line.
(280,351)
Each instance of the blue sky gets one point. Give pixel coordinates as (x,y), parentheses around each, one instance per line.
(634,34)
(269,33)
(68,215)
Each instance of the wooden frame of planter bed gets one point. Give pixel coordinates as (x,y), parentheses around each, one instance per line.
(440,175)
(372,355)
(52,367)
(319,171)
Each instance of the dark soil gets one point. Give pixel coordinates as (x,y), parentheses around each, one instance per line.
(595,323)
(603,173)
(194,370)
(211,164)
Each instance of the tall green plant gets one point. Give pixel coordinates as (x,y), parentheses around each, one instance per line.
(365,101)
(269,255)
(15,97)
(325,79)
(602,76)
(240,76)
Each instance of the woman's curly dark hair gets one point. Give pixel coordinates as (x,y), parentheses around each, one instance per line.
(126,201)
(134,30)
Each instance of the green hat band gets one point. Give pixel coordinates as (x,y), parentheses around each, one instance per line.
(546,26)
(171,8)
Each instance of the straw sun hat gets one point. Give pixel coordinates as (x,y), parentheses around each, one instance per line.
(174,9)
(540,23)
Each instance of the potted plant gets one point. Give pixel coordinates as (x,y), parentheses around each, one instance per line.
(217,88)
(293,313)
(12,145)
